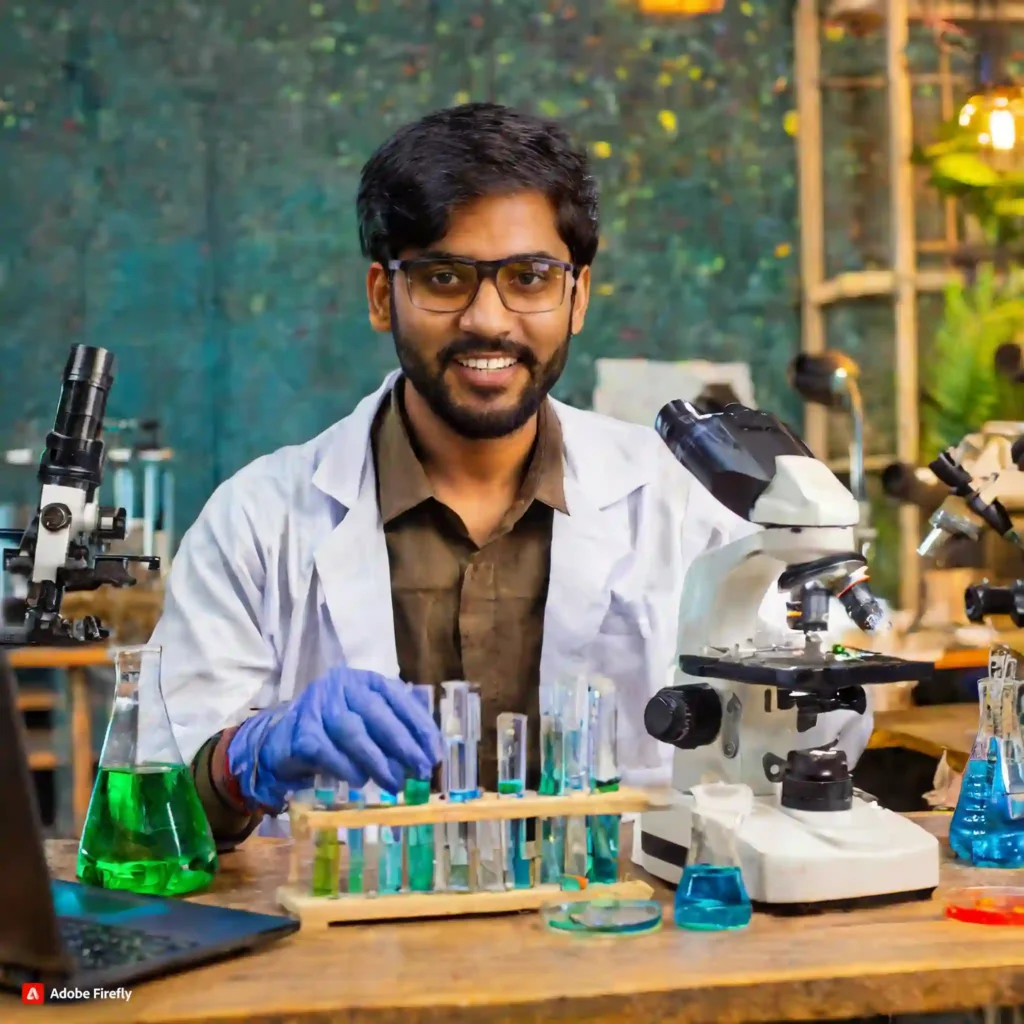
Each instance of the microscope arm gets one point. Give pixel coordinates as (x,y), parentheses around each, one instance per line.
(63,548)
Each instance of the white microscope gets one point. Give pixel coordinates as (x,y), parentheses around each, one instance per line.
(762,721)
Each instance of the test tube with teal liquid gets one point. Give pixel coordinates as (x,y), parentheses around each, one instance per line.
(389,864)
(419,839)
(356,848)
(604,778)
(552,782)
(512,733)
(575,721)
(460,730)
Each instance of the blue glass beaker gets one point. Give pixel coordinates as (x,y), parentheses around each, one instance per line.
(712,898)
(987,829)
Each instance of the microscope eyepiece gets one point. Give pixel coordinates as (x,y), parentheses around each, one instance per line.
(74,448)
(732,453)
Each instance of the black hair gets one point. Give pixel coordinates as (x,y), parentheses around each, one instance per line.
(413,183)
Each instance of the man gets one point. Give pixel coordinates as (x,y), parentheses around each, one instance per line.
(459,524)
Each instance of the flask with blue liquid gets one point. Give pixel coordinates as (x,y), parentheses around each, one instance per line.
(987,829)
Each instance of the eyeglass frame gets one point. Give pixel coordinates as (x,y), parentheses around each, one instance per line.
(486,270)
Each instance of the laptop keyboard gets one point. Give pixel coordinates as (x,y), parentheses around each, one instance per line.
(96,946)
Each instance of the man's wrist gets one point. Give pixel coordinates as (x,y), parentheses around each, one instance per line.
(224,782)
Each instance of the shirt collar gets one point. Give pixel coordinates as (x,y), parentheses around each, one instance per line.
(403,483)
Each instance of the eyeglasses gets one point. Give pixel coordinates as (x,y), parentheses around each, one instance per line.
(450,284)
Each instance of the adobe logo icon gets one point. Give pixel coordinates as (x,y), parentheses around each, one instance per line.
(32,993)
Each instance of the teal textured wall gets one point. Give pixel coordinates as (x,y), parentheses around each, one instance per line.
(177,183)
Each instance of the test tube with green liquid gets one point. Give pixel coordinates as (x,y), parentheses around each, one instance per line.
(328,794)
(552,782)
(575,720)
(326,863)
(459,727)
(512,733)
(419,839)
(604,778)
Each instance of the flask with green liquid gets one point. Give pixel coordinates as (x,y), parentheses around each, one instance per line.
(146,830)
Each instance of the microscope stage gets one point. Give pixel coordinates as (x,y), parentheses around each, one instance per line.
(825,672)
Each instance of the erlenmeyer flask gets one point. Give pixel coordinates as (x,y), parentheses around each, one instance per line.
(146,830)
(987,829)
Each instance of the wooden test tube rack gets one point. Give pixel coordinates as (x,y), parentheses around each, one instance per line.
(320,911)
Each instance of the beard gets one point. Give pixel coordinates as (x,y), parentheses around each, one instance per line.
(428,378)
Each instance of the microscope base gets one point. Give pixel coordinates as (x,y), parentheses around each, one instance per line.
(800,861)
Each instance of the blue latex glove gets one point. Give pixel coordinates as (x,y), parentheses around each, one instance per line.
(349,724)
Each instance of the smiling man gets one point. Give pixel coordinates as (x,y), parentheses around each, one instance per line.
(459,524)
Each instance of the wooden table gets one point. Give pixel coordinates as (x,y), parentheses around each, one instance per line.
(932,730)
(903,959)
(74,660)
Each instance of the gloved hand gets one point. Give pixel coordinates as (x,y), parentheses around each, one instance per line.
(349,724)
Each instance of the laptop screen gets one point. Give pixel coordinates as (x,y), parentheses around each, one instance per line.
(29,935)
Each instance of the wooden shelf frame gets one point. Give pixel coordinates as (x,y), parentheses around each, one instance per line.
(904,280)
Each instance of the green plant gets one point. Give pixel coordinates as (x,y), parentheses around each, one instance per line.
(960,167)
(962,390)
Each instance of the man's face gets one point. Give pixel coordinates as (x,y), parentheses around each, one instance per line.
(484,370)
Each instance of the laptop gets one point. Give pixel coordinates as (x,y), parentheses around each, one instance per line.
(79,937)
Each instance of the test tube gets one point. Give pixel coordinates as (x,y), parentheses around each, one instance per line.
(486,847)
(604,778)
(356,848)
(326,863)
(575,719)
(389,864)
(552,782)
(460,728)
(512,733)
(328,793)
(419,839)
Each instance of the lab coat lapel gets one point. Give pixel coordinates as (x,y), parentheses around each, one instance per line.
(583,556)
(591,542)
(352,561)
(352,564)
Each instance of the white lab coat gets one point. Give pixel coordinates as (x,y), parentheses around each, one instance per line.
(285,573)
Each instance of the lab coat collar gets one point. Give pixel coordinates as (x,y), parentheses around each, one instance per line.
(603,465)
(604,462)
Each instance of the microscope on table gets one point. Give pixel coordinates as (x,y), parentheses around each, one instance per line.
(62,549)
(762,707)
(982,493)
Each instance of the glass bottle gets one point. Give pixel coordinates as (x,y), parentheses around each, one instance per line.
(987,829)
(145,830)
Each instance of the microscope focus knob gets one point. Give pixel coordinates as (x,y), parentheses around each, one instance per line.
(684,716)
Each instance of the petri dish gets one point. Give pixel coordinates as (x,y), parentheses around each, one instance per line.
(609,917)
(987,904)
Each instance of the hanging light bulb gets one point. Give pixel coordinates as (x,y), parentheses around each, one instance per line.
(995,117)
(681,8)
(993,113)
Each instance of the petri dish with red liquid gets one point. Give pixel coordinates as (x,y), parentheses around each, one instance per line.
(987,904)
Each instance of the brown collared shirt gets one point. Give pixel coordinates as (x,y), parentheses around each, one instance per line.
(463,611)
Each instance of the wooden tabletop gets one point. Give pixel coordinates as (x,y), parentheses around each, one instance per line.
(903,959)
(932,730)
